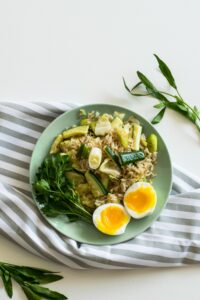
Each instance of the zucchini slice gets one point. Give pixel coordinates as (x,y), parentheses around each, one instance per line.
(109,167)
(96,186)
(75,178)
(123,137)
(130,157)
(105,180)
(137,130)
(79,130)
(111,154)
(83,151)
(152,143)
(117,122)
(55,147)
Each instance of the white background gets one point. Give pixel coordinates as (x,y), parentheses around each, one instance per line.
(77,51)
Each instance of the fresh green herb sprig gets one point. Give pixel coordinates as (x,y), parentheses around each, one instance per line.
(178,104)
(30,280)
(55,193)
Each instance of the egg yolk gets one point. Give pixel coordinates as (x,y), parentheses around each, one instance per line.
(112,219)
(141,200)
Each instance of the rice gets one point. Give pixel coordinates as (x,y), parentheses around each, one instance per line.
(140,171)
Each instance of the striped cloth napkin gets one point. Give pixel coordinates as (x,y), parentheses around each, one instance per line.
(172,240)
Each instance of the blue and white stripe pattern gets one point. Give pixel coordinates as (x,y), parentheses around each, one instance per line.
(172,240)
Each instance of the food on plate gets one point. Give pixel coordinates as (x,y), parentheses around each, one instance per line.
(95,158)
(111,218)
(100,170)
(140,200)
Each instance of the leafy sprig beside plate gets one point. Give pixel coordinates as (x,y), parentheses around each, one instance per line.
(30,280)
(178,104)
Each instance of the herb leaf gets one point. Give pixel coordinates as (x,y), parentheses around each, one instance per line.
(6,278)
(160,105)
(136,85)
(29,279)
(159,116)
(54,191)
(151,89)
(30,294)
(166,71)
(46,293)
(179,105)
(34,275)
(126,86)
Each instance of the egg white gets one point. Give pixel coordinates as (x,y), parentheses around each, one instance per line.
(95,158)
(133,213)
(97,218)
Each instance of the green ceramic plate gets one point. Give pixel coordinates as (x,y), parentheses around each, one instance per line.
(86,233)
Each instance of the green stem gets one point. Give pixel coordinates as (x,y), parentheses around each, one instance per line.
(168,94)
(188,106)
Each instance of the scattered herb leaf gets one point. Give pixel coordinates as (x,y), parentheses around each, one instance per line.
(166,71)
(29,280)
(159,116)
(179,105)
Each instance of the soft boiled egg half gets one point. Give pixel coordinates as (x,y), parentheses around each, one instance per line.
(111,218)
(140,200)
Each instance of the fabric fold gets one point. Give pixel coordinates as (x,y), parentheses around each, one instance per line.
(172,240)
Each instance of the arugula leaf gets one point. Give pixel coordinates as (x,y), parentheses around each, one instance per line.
(158,117)
(166,71)
(29,279)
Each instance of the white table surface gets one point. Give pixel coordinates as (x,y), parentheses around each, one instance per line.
(78,51)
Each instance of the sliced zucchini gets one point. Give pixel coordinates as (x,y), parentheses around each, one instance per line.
(84,122)
(76,168)
(130,157)
(117,122)
(65,145)
(109,167)
(83,188)
(79,130)
(152,143)
(56,144)
(105,180)
(123,137)
(92,126)
(75,178)
(83,151)
(137,130)
(96,186)
(111,154)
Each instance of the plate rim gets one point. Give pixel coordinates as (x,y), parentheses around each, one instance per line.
(116,107)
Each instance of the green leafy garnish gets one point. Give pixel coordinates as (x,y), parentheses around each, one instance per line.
(55,193)
(29,280)
(178,104)
(159,116)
